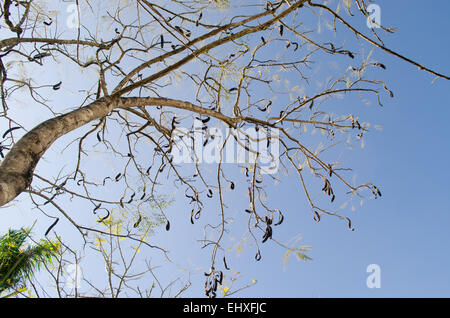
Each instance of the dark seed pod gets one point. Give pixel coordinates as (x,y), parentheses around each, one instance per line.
(281,30)
(9,130)
(40,56)
(104,218)
(51,227)
(258,256)
(349,224)
(168,225)
(117,178)
(232,185)
(225,264)
(162,41)
(316,216)
(210,193)
(57,86)
(135,225)
(97,207)
(104,180)
(131,198)
(220,278)
(281,219)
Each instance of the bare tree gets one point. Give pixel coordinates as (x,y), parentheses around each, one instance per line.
(141,70)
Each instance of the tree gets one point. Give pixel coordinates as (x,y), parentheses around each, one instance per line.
(231,62)
(18,263)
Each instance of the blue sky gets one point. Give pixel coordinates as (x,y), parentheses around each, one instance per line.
(405,232)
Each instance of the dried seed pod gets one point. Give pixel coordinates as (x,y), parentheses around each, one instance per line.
(57,86)
(8,131)
(316,216)
(131,198)
(135,225)
(97,207)
(349,224)
(225,264)
(281,218)
(51,227)
(105,217)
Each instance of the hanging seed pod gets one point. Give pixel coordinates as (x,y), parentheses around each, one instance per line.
(135,225)
(8,131)
(281,30)
(57,86)
(380,65)
(316,216)
(225,264)
(258,256)
(104,218)
(349,224)
(281,219)
(117,178)
(131,198)
(97,207)
(51,227)
(104,180)
(168,225)
(232,185)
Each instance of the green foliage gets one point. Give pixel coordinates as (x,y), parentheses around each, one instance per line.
(19,262)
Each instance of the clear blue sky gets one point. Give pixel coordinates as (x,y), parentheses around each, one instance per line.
(406,232)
